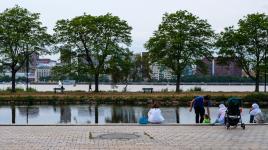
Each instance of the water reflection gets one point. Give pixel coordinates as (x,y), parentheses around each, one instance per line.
(122,115)
(177,115)
(28,112)
(84,112)
(101,114)
(96,114)
(65,114)
(13,110)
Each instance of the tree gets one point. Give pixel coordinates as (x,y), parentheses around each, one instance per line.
(141,68)
(69,65)
(21,34)
(121,68)
(71,68)
(181,40)
(95,40)
(246,44)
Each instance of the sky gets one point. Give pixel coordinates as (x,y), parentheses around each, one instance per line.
(143,16)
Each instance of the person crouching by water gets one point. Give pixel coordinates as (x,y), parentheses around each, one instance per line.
(256,116)
(199,103)
(221,114)
(155,115)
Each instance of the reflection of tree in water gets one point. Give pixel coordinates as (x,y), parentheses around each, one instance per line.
(54,108)
(65,114)
(13,112)
(84,111)
(30,112)
(121,114)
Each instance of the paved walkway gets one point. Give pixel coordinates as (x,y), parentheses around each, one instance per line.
(134,137)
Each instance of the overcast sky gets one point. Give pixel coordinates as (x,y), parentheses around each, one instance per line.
(143,15)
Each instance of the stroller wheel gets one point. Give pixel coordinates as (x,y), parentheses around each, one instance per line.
(243,126)
(227,125)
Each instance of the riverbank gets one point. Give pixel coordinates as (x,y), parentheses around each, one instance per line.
(130,98)
(138,87)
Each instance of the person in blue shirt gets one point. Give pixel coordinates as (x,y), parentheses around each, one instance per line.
(199,103)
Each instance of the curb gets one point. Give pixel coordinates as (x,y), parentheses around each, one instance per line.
(126,124)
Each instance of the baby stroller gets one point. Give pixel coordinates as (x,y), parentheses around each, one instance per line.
(233,115)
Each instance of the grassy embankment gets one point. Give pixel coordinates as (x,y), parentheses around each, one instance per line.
(166,98)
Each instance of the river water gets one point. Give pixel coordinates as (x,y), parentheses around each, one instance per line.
(137,88)
(90,114)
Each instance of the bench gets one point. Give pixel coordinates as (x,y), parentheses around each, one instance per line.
(147,90)
(59,89)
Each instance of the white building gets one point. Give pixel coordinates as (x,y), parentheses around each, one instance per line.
(43,69)
(160,72)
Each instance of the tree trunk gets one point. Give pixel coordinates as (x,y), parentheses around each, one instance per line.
(178,82)
(13,111)
(96,114)
(96,82)
(257,82)
(13,79)
(27,73)
(177,115)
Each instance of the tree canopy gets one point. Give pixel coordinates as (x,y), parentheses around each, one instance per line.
(94,40)
(21,34)
(246,44)
(182,40)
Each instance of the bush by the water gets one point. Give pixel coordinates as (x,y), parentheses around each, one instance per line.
(195,89)
(30,89)
(256,97)
(9,89)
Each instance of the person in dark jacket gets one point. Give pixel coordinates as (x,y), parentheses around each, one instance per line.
(199,103)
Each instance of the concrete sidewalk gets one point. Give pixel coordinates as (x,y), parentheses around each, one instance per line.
(132,137)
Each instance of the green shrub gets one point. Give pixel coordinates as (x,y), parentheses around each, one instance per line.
(195,89)
(9,89)
(79,91)
(256,97)
(30,89)
(164,90)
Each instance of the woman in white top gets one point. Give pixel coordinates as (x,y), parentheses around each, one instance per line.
(155,115)
(221,114)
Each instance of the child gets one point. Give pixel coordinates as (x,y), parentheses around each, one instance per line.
(206,119)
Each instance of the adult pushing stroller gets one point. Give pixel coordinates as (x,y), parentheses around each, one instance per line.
(233,113)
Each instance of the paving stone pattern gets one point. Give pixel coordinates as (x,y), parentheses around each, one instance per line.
(145,137)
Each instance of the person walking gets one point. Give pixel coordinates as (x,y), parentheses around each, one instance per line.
(199,103)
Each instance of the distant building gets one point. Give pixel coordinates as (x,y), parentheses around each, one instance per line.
(46,61)
(160,72)
(215,69)
(43,68)
(37,68)
(42,71)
